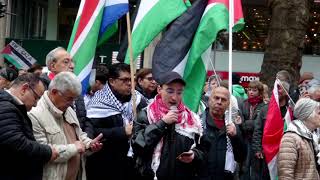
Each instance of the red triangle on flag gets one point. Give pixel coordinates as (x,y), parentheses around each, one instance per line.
(6,50)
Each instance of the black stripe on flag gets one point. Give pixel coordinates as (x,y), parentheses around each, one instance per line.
(124,44)
(177,40)
(21,57)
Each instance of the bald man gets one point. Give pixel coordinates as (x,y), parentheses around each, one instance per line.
(227,146)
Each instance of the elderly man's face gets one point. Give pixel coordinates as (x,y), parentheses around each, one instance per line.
(122,84)
(63,62)
(62,100)
(219,101)
(315,95)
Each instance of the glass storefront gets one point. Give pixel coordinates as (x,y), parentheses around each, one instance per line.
(30,23)
(257,17)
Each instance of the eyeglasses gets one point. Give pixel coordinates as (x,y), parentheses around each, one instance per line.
(125,80)
(149,78)
(66,98)
(172,92)
(66,61)
(35,95)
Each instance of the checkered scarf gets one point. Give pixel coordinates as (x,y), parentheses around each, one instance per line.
(230,163)
(104,104)
(188,125)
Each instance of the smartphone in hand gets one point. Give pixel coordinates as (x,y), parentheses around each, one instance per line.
(184,154)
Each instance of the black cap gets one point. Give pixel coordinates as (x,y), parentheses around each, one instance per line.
(9,74)
(171,77)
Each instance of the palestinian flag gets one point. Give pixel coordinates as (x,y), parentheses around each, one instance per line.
(152,17)
(18,56)
(83,41)
(273,130)
(178,38)
(214,19)
(192,60)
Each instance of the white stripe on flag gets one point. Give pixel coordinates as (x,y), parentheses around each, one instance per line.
(206,57)
(19,61)
(287,117)
(86,30)
(181,66)
(80,9)
(144,8)
(208,8)
(86,70)
(273,168)
(275,91)
(114,2)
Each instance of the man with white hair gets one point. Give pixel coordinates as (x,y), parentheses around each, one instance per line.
(59,60)
(314,92)
(296,158)
(55,123)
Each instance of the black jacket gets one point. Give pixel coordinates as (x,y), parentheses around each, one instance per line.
(110,161)
(22,157)
(138,88)
(145,138)
(214,167)
(247,125)
(259,126)
(81,112)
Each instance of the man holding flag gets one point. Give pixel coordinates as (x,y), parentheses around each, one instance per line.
(226,143)
(186,45)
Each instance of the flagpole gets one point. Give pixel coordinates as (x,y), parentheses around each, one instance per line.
(132,69)
(214,60)
(231,17)
(284,89)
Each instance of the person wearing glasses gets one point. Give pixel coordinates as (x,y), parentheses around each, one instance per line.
(59,60)
(314,92)
(145,84)
(55,123)
(166,135)
(22,156)
(110,111)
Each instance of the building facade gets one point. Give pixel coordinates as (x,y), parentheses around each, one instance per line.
(40,25)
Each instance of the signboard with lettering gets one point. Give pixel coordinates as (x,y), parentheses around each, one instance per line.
(245,77)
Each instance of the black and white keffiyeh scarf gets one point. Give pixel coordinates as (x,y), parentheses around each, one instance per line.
(104,104)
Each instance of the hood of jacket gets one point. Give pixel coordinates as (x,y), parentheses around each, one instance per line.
(238,91)
(299,128)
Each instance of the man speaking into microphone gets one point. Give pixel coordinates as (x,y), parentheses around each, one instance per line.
(167,134)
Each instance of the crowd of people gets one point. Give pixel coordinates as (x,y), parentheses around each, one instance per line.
(50,131)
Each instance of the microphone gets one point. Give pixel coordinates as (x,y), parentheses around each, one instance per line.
(173,108)
(172,129)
